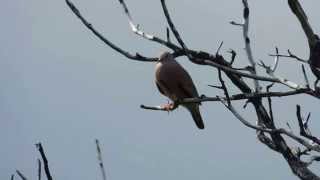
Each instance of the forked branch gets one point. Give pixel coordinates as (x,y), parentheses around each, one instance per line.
(137,56)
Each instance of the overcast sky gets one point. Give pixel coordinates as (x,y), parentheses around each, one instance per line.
(62,86)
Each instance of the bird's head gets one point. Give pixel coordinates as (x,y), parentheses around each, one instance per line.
(166,56)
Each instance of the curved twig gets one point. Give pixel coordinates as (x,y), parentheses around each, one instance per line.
(137,56)
(137,30)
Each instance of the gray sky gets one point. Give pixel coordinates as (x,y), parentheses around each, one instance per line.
(62,86)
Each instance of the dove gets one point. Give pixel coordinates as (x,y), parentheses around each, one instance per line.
(174,82)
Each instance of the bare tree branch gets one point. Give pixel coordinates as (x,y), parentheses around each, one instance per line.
(284,81)
(176,33)
(21,175)
(45,161)
(270,102)
(137,30)
(39,169)
(236,72)
(270,131)
(137,56)
(103,172)
(290,55)
(296,8)
(235,97)
(304,127)
(233,56)
(276,61)
(305,76)
(245,31)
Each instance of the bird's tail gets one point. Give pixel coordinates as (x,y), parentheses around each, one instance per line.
(195,112)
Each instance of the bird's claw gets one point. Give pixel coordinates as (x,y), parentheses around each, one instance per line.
(167,107)
(170,106)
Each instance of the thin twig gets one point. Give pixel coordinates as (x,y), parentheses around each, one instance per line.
(21,175)
(103,172)
(171,25)
(270,102)
(271,72)
(218,50)
(305,76)
(137,30)
(303,131)
(45,161)
(39,169)
(137,56)
(233,56)
(276,61)
(224,87)
(283,81)
(168,34)
(236,24)
(245,31)
(290,56)
(242,120)
(271,131)
(234,71)
(176,33)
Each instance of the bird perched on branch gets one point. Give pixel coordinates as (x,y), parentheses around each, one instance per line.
(174,82)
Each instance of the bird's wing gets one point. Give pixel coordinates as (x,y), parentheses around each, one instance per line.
(160,88)
(185,90)
(186,85)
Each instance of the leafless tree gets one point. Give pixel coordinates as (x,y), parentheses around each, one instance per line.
(47,168)
(273,137)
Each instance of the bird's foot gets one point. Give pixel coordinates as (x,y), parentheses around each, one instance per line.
(167,107)
(170,106)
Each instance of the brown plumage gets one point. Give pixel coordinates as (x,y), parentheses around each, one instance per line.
(174,82)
